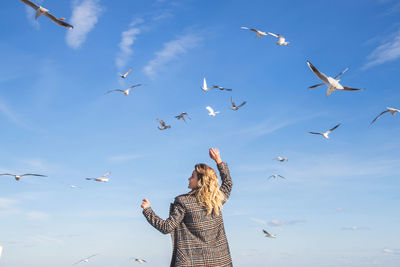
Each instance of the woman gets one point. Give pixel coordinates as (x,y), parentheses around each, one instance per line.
(195,219)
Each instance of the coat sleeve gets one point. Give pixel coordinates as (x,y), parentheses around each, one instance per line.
(166,226)
(226,186)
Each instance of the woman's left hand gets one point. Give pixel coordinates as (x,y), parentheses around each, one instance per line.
(145,204)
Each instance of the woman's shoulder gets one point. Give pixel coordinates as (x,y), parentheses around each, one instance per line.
(184,198)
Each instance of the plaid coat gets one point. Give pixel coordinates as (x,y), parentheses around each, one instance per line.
(198,239)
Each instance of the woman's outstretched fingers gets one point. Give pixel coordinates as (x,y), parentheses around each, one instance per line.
(145,203)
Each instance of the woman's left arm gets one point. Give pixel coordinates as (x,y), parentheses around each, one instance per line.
(166,226)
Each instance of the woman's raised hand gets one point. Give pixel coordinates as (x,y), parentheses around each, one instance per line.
(215,155)
(145,204)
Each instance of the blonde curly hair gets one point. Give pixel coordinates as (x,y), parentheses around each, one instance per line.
(208,193)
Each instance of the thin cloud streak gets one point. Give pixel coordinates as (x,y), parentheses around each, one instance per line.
(11,116)
(386,52)
(171,51)
(84,17)
(128,37)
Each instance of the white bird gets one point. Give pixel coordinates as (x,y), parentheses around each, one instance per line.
(259,33)
(281,41)
(103,178)
(268,234)
(18,176)
(281,159)
(276,176)
(325,134)
(391,110)
(234,107)
(332,83)
(204,87)
(163,125)
(139,260)
(211,111)
(126,92)
(86,259)
(123,76)
(43,11)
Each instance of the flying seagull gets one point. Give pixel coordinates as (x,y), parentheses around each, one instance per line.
(86,259)
(123,76)
(221,88)
(332,83)
(182,116)
(268,234)
(126,92)
(139,260)
(325,134)
(163,126)
(43,11)
(281,159)
(259,33)
(211,111)
(18,176)
(234,107)
(391,110)
(276,176)
(204,87)
(103,178)
(281,41)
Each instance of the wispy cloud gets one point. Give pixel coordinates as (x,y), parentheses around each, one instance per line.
(84,17)
(386,52)
(123,158)
(355,228)
(37,215)
(171,51)
(128,37)
(11,115)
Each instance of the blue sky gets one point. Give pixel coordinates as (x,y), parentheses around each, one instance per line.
(339,203)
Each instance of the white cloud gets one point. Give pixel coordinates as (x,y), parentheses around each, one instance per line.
(386,52)
(84,17)
(128,37)
(172,50)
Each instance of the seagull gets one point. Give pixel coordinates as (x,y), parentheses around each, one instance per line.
(325,134)
(182,116)
(211,111)
(221,88)
(332,83)
(139,260)
(391,110)
(281,159)
(86,259)
(43,11)
(126,92)
(259,33)
(18,176)
(204,87)
(103,178)
(123,76)
(282,40)
(276,176)
(268,234)
(163,126)
(234,107)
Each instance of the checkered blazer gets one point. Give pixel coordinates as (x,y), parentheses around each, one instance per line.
(198,239)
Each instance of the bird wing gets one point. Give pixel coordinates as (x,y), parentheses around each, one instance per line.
(126,74)
(281,176)
(273,34)
(333,128)
(233,103)
(340,74)
(119,90)
(380,115)
(8,174)
(33,174)
(319,74)
(345,88)
(29,3)
(244,102)
(90,178)
(161,122)
(265,232)
(315,86)
(244,28)
(92,256)
(136,85)
(227,89)
(106,175)
(204,83)
(58,21)
(210,109)
(314,133)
